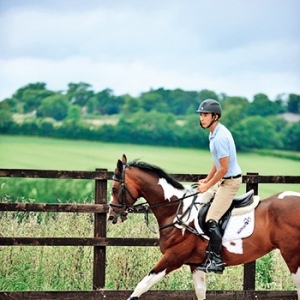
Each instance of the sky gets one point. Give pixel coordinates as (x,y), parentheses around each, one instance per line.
(236,47)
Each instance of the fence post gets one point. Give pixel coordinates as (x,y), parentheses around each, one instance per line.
(249,268)
(99,231)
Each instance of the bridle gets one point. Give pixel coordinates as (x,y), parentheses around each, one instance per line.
(124,204)
(145,207)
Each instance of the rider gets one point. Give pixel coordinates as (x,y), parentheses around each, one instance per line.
(225,174)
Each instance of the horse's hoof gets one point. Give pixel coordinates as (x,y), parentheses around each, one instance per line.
(133,298)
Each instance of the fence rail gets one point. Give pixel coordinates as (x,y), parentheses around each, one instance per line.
(99,242)
(150,295)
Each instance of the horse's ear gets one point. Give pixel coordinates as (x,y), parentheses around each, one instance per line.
(119,168)
(124,159)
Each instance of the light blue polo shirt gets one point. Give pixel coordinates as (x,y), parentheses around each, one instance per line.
(221,144)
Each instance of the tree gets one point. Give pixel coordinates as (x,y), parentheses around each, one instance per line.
(256,132)
(79,93)
(181,101)
(55,106)
(46,128)
(33,98)
(291,136)
(156,100)
(28,98)
(234,110)
(6,121)
(131,105)
(294,103)
(262,106)
(281,101)
(106,103)
(278,122)
(152,101)
(235,101)
(192,135)
(8,104)
(175,101)
(207,94)
(74,113)
(38,86)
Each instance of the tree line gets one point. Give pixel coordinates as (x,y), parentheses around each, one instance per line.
(156,117)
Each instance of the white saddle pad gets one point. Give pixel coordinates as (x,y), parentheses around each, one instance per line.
(239,226)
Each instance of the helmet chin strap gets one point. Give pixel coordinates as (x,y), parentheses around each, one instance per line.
(212,122)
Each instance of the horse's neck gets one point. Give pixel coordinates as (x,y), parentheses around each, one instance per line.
(160,195)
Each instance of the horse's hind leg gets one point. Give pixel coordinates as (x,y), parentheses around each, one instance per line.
(199,283)
(292,259)
(296,279)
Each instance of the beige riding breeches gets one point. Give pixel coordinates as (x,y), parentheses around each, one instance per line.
(225,190)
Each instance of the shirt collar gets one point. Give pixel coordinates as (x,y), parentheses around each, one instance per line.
(213,134)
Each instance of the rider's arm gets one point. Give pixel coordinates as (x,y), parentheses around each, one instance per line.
(210,175)
(217,175)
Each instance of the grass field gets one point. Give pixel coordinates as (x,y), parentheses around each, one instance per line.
(42,153)
(37,268)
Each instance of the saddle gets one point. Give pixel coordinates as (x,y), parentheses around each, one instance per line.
(237,207)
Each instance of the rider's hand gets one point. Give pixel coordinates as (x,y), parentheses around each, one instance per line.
(202,187)
(202,181)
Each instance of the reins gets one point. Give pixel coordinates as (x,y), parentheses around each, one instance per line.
(144,207)
(164,203)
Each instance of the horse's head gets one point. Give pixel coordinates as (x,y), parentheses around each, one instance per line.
(122,198)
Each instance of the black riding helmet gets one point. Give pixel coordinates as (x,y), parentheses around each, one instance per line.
(210,106)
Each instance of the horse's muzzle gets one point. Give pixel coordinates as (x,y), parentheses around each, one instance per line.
(116,217)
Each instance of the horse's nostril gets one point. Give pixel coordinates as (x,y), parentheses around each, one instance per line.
(110,218)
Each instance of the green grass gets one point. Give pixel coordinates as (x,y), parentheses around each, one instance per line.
(44,153)
(70,268)
(278,153)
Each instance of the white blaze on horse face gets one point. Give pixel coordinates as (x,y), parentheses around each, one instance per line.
(147,283)
(169,190)
(288,193)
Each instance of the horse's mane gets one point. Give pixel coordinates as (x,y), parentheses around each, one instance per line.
(157,170)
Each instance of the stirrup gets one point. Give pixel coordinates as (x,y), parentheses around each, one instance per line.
(210,266)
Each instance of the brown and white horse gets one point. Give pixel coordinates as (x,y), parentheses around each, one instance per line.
(277,225)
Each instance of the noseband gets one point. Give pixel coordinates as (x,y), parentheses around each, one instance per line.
(124,204)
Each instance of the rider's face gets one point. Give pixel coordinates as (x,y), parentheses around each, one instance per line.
(205,119)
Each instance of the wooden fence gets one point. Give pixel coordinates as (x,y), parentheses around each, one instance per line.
(99,242)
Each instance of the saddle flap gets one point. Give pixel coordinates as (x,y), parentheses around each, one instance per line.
(243,200)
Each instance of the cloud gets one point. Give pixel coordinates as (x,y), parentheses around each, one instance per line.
(236,47)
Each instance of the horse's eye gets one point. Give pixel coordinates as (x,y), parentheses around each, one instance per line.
(115,190)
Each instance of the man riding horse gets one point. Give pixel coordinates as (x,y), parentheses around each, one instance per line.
(225,174)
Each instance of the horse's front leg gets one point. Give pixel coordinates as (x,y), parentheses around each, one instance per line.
(169,262)
(199,283)
(146,284)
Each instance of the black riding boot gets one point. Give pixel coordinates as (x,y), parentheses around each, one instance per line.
(213,262)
